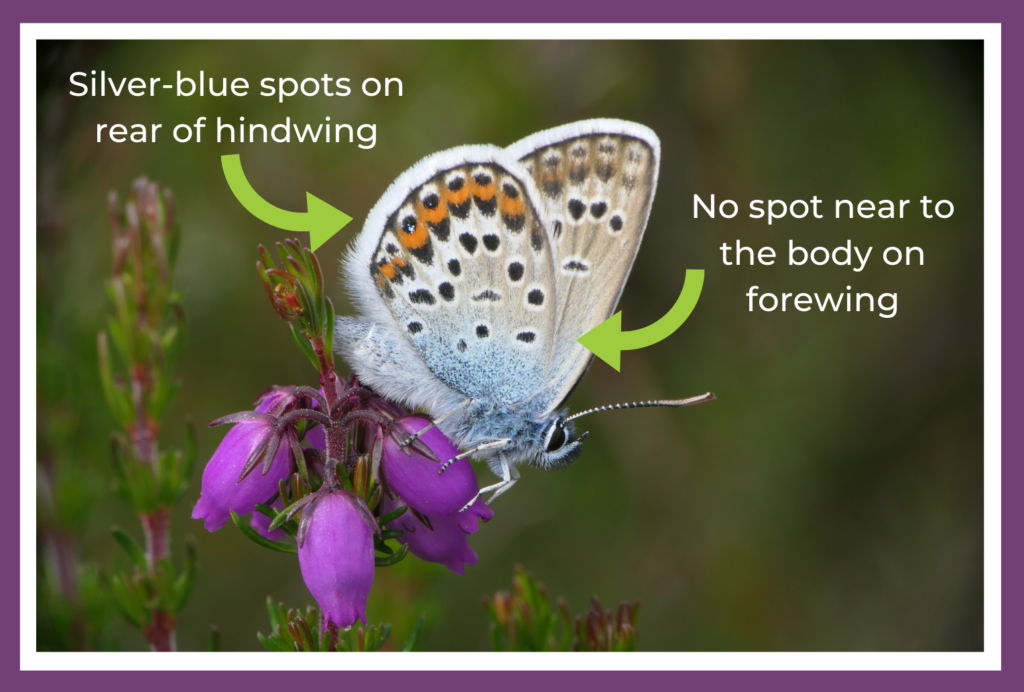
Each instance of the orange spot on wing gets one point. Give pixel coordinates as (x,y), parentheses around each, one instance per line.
(398,261)
(484,192)
(418,238)
(388,270)
(434,216)
(512,207)
(457,196)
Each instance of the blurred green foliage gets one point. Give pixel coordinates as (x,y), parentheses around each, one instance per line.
(523,619)
(294,630)
(831,499)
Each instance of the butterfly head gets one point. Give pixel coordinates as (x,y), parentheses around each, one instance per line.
(561,445)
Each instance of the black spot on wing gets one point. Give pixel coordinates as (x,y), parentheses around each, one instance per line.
(459,211)
(537,239)
(491,242)
(447,291)
(487,295)
(515,271)
(576,208)
(486,208)
(415,327)
(482,332)
(455,184)
(557,230)
(576,266)
(461,346)
(605,171)
(597,209)
(552,188)
(535,297)
(526,337)
(431,201)
(510,190)
(422,296)
(514,223)
(425,253)
(469,242)
(391,249)
(441,230)
(616,223)
(578,174)
(454,267)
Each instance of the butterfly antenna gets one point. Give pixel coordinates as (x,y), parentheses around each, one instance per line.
(673,403)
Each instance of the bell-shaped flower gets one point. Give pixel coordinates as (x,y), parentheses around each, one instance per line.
(261,522)
(336,556)
(414,477)
(446,540)
(222,491)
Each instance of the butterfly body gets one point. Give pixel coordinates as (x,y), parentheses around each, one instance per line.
(479,269)
(485,419)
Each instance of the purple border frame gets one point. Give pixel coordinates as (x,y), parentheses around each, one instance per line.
(1005,12)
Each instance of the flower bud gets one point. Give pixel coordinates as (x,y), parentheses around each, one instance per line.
(282,290)
(286,296)
(336,556)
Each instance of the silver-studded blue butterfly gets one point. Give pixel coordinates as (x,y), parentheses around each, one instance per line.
(478,270)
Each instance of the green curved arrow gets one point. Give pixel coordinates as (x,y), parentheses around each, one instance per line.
(321,220)
(607,341)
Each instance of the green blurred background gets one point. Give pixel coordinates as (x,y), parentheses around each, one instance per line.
(831,499)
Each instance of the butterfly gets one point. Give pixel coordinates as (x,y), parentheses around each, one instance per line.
(478,270)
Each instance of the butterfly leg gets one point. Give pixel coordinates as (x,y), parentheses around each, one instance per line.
(509,476)
(497,444)
(508,483)
(415,436)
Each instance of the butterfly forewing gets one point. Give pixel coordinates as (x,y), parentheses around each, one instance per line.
(464,266)
(596,183)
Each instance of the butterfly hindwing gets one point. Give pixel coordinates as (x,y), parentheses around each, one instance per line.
(596,181)
(463,265)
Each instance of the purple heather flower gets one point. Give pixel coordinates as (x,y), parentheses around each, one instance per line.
(316,437)
(448,542)
(222,492)
(336,556)
(415,480)
(261,522)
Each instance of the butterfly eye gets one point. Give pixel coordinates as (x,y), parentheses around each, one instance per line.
(556,437)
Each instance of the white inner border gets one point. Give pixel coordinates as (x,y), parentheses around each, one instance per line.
(989,659)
